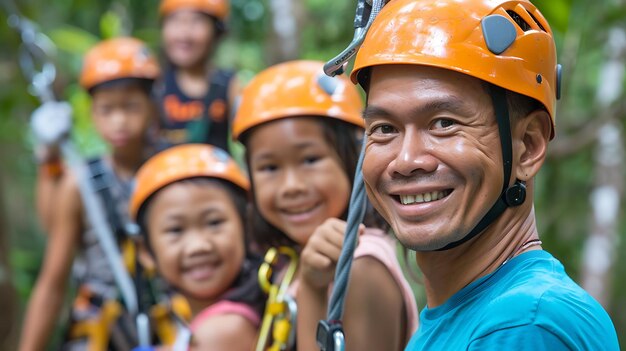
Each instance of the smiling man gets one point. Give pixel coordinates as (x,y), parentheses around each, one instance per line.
(461,107)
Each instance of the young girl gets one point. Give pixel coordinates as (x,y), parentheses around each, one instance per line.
(195,98)
(301,131)
(118,74)
(190,203)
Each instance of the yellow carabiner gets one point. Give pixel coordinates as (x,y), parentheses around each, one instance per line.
(276,310)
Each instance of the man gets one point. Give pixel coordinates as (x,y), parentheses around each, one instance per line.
(461,107)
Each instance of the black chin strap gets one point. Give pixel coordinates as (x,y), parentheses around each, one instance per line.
(510,196)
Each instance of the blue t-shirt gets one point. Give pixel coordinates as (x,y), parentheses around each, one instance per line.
(529,303)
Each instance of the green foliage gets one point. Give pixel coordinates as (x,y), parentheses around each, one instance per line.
(110,25)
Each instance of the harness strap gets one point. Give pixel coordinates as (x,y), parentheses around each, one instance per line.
(498,98)
(102,181)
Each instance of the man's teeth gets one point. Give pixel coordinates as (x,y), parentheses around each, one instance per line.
(425,197)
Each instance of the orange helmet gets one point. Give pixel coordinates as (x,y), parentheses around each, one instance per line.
(118,58)
(216,8)
(297,88)
(505,42)
(183,162)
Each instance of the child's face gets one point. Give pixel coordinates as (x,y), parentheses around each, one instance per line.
(298,178)
(187,37)
(197,238)
(122,116)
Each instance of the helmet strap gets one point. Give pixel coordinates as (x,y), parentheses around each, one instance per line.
(510,196)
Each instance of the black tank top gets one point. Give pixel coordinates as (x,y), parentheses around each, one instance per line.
(195,120)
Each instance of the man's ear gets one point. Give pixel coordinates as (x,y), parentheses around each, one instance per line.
(145,257)
(531,137)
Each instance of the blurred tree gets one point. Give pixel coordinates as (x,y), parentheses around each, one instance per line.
(7,293)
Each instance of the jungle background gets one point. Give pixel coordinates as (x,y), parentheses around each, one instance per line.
(580,191)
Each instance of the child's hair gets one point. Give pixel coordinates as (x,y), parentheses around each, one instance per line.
(344,138)
(143,84)
(245,288)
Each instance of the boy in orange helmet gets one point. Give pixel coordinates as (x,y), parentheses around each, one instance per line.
(118,74)
(461,108)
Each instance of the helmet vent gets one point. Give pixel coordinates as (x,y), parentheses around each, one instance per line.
(538,23)
(519,20)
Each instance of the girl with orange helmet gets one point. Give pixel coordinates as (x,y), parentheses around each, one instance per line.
(194,97)
(190,203)
(301,130)
(118,74)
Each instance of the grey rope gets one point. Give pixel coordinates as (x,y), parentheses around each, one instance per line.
(356,213)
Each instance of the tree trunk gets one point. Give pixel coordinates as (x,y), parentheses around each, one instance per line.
(284,41)
(599,250)
(8,302)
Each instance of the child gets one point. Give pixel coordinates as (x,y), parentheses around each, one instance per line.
(195,97)
(190,203)
(301,131)
(118,74)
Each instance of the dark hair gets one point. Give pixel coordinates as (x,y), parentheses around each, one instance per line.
(345,139)
(521,105)
(143,84)
(245,288)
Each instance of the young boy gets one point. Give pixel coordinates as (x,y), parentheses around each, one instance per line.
(118,74)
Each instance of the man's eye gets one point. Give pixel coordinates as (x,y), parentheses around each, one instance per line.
(443,123)
(384,129)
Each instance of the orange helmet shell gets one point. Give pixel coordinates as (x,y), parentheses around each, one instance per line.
(449,34)
(184,162)
(118,58)
(217,8)
(297,88)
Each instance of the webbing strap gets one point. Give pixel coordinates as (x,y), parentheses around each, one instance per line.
(102,182)
(501,110)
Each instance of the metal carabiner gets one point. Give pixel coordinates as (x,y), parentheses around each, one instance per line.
(34,55)
(280,307)
(366,12)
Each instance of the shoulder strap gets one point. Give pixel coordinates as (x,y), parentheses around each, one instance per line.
(102,182)
(219,84)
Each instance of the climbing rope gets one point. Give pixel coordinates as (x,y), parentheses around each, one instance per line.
(330,335)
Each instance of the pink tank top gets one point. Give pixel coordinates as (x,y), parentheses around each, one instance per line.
(375,243)
(226,307)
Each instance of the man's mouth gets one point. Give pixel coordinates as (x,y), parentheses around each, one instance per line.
(423,197)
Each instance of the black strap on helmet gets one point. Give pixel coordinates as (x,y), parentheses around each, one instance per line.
(513,195)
